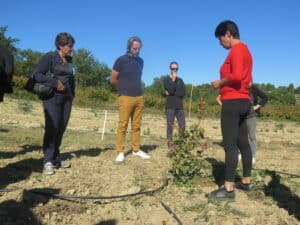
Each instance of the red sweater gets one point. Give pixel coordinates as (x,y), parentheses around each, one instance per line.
(237,68)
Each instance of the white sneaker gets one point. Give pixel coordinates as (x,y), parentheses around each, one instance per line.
(120,157)
(141,154)
(48,168)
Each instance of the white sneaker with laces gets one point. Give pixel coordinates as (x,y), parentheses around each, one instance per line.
(120,157)
(141,154)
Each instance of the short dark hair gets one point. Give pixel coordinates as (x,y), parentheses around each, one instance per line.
(63,39)
(225,26)
(173,62)
(131,40)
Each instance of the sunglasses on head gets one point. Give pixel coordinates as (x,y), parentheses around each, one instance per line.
(174,68)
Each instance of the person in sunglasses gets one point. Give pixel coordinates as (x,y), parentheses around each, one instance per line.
(233,85)
(174,92)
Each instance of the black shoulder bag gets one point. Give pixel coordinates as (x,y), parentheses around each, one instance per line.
(40,89)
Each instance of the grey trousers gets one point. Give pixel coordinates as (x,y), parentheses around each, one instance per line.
(171,114)
(251,127)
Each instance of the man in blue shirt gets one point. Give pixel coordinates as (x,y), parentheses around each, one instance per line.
(126,76)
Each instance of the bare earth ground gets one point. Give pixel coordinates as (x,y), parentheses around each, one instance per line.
(94,172)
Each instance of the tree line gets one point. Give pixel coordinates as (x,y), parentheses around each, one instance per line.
(91,73)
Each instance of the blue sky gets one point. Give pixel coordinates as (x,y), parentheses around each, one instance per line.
(170,30)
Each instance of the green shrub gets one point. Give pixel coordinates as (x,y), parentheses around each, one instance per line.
(185,164)
(154,102)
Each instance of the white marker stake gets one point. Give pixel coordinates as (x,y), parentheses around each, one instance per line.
(104,123)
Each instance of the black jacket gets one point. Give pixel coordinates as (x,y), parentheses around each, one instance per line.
(52,63)
(176,93)
(257,96)
(6,71)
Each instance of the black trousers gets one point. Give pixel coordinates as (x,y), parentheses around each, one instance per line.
(57,112)
(171,114)
(235,136)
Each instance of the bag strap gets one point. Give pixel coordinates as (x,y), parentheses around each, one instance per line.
(52,62)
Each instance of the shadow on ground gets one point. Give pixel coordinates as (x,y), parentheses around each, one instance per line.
(21,170)
(107,222)
(218,170)
(17,213)
(148,148)
(24,149)
(4,130)
(283,195)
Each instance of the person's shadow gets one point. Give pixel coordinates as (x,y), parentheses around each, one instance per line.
(25,149)
(19,213)
(21,170)
(148,148)
(218,170)
(107,222)
(285,198)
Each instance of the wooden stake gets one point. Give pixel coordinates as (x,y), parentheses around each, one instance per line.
(191,95)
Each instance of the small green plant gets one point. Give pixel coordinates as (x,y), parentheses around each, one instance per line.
(279,126)
(94,110)
(147,132)
(136,202)
(185,164)
(25,106)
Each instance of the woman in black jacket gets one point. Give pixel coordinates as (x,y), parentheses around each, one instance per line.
(57,106)
(258,99)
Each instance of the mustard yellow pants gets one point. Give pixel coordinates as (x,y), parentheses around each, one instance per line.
(129,108)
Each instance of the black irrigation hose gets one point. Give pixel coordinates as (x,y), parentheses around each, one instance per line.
(167,208)
(8,190)
(150,192)
(289,174)
(39,192)
(128,195)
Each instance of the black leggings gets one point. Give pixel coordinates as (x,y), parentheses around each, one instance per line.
(235,136)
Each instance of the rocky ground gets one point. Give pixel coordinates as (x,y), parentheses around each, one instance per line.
(275,200)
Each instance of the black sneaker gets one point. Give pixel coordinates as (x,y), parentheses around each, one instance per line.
(221,194)
(244,187)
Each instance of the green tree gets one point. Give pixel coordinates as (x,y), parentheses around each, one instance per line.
(8,42)
(89,71)
(26,60)
(157,87)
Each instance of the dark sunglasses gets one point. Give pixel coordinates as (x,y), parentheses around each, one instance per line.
(174,69)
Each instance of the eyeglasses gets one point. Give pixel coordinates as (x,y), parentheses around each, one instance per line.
(174,69)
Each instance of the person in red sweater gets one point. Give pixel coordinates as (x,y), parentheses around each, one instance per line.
(233,86)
